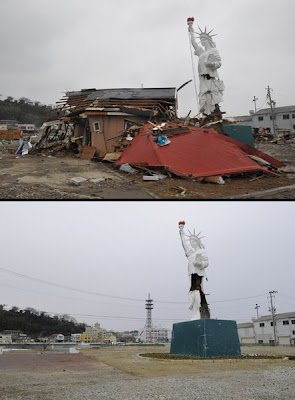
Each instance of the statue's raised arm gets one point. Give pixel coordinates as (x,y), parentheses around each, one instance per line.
(198,49)
(187,249)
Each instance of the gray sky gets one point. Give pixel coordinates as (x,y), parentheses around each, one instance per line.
(50,46)
(130,249)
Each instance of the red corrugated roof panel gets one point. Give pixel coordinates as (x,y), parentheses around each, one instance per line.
(197,153)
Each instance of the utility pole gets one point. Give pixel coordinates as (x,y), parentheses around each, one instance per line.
(272,105)
(273,310)
(255,100)
(256,308)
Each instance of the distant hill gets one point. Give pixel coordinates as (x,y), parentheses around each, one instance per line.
(24,111)
(37,323)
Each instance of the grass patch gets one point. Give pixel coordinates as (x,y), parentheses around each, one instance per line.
(168,356)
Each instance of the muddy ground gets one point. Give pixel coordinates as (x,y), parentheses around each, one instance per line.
(122,374)
(47,176)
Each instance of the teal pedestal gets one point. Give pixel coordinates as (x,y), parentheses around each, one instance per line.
(205,338)
(240,132)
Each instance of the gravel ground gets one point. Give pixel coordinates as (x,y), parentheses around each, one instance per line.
(276,383)
(76,377)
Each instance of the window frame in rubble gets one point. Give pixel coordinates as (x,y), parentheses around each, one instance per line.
(99,130)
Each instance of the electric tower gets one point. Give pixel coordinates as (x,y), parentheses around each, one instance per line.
(149,305)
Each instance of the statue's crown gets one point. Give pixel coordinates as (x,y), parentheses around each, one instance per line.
(201,34)
(195,236)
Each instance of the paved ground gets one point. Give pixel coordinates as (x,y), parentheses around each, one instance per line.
(45,176)
(94,377)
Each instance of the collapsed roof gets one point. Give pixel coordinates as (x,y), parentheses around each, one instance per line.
(155,101)
(194,152)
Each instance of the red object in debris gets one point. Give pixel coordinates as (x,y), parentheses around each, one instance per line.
(181,223)
(190,19)
(197,153)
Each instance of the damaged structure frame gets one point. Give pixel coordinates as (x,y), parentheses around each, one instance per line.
(100,118)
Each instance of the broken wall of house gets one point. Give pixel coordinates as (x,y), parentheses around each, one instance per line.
(111,127)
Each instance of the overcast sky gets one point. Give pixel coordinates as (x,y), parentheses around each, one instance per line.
(51,46)
(130,249)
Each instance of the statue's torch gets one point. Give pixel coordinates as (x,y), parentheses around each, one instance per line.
(181,225)
(190,22)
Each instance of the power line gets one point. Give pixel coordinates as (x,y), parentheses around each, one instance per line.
(28,277)
(66,287)
(239,299)
(62,297)
(288,297)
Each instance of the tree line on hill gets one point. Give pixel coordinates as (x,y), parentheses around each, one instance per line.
(37,323)
(24,111)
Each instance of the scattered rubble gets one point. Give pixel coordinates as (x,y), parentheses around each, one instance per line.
(77,180)
(127,168)
(283,136)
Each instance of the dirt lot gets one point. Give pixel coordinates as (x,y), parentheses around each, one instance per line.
(45,176)
(122,374)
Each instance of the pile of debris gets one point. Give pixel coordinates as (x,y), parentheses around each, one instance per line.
(57,136)
(190,152)
(282,136)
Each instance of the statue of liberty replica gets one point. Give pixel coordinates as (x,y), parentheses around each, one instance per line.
(211,87)
(201,336)
(197,264)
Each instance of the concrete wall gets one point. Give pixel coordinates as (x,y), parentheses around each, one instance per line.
(284,340)
(247,340)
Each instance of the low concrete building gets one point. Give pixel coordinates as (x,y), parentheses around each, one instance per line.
(76,337)
(96,334)
(155,335)
(5,338)
(60,338)
(284,119)
(57,338)
(246,333)
(262,330)
(244,120)
(262,120)
(27,128)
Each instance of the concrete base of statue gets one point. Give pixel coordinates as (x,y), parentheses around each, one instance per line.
(205,338)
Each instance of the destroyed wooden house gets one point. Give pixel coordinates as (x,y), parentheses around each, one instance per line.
(101,117)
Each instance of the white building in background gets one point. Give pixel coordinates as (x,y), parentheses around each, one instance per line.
(76,337)
(5,338)
(159,335)
(261,120)
(246,333)
(284,119)
(261,330)
(60,338)
(155,335)
(27,128)
(245,120)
